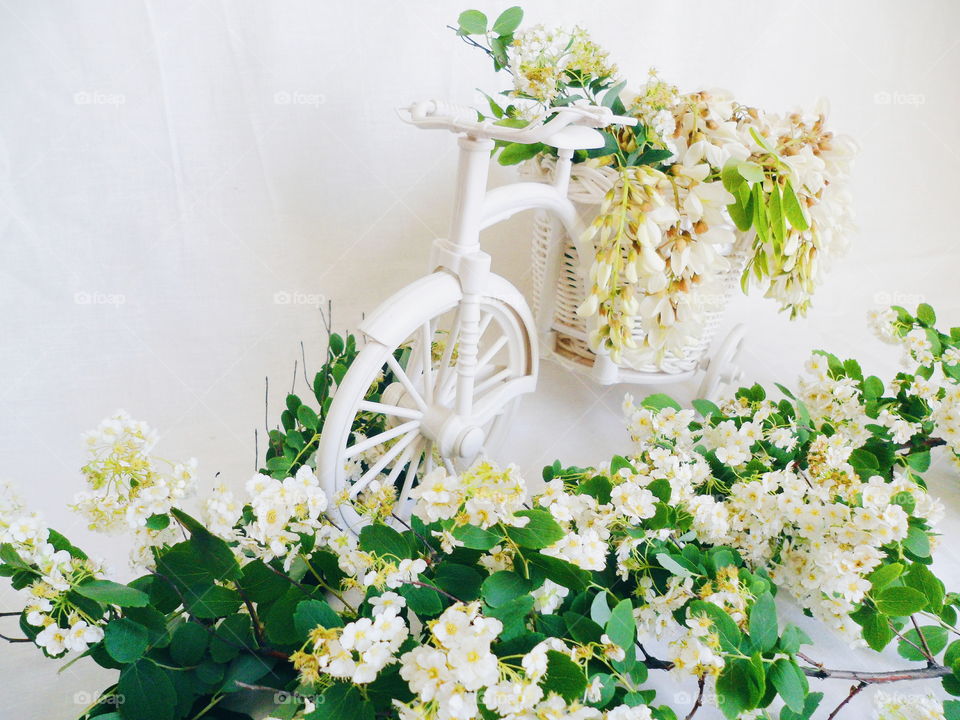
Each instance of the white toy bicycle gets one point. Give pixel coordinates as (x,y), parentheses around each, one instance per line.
(448,356)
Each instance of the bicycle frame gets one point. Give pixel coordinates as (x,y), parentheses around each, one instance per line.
(475,209)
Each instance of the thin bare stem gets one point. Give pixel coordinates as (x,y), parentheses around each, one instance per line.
(696,705)
(853,692)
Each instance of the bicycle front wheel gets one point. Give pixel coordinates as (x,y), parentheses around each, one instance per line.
(393,418)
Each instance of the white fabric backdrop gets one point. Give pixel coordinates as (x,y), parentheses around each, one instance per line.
(184,184)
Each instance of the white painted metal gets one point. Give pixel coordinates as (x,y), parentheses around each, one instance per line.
(444,411)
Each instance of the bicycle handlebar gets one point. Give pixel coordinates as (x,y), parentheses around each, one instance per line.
(438,114)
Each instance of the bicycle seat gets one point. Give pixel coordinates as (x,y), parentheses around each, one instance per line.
(575,137)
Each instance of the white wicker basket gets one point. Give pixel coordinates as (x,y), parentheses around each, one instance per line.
(588,185)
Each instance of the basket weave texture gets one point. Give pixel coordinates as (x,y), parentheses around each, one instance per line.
(588,186)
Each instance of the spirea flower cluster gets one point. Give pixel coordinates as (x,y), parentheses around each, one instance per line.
(490,601)
(46,569)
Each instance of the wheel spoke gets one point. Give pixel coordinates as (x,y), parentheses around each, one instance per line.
(375,469)
(494,349)
(370,442)
(426,355)
(403,460)
(447,382)
(494,379)
(392,410)
(452,336)
(411,475)
(405,381)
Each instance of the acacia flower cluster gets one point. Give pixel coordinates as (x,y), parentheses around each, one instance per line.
(702,187)
(729,185)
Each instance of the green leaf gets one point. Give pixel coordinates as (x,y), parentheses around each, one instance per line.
(541,531)
(278,618)
(909,647)
(232,635)
(341,701)
(189,642)
(313,613)
(515,153)
(873,386)
(111,593)
(917,542)
(613,94)
(513,615)
(508,21)
(884,575)
(158,522)
(777,221)
(790,682)
(581,628)
(260,584)
(472,22)
(621,628)
(659,401)
(425,602)
(559,571)
(900,601)
(476,538)
(212,553)
(729,633)
(307,417)
(740,686)
(502,587)
(147,692)
(125,640)
(792,638)
(750,171)
(792,208)
(599,609)
(919,461)
(706,408)
(919,577)
(384,541)
(926,315)
(810,705)
(563,677)
(741,213)
(246,669)
(599,486)
(677,565)
(876,628)
(459,580)
(763,622)
(211,601)
(730,177)
(864,463)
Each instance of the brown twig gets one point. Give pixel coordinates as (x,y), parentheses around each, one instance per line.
(853,692)
(434,587)
(15,640)
(923,641)
(696,705)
